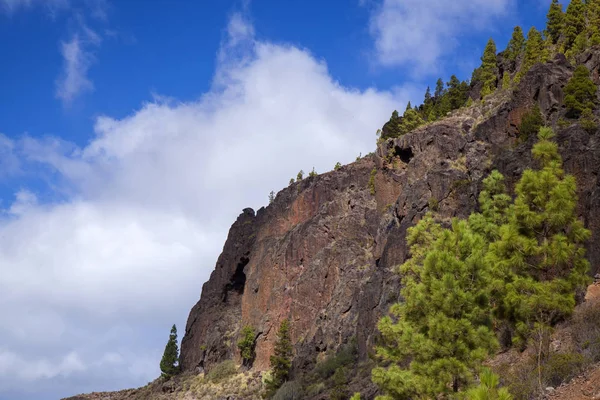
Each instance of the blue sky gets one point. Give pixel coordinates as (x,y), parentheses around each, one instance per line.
(132,133)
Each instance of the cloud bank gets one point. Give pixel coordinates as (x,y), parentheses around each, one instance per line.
(417,33)
(92,284)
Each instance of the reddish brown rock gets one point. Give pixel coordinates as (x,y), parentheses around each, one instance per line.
(323,253)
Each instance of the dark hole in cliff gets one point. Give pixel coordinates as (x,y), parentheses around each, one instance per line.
(404,154)
(238,280)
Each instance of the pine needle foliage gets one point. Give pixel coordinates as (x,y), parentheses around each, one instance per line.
(169,364)
(281,360)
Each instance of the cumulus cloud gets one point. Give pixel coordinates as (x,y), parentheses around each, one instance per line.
(418,33)
(104,274)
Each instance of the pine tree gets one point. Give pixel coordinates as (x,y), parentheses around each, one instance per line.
(300,176)
(555,21)
(488,388)
(539,259)
(337,166)
(593,21)
(531,123)
(281,360)
(457,93)
(427,95)
(516,45)
(493,203)
(580,92)
(408,106)
(271,197)
(443,326)
(506,81)
(246,345)
(410,121)
(169,364)
(312,173)
(439,89)
(488,69)
(535,52)
(574,22)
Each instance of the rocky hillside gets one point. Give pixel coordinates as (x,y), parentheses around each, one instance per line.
(322,254)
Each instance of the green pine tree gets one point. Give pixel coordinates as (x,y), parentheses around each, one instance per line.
(246,345)
(580,92)
(457,93)
(593,21)
(488,388)
(506,82)
(516,45)
(539,259)
(410,121)
(271,197)
(574,22)
(169,364)
(555,21)
(535,52)
(531,123)
(300,176)
(488,69)
(439,88)
(281,360)
(443,326)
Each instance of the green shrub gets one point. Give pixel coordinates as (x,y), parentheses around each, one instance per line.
(562,367)
(290,390)
(531,123)
(588,121)
(580,92)
(312,173)
(337,166)
(346,356)
(340,380)
(372,181)
(433,204)
(315,389)
(521,380)
(586,331)
(300,176)
(246,344)
(222,371)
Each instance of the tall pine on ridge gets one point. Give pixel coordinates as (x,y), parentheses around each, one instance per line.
(169,364)
(488,69)
(556,21)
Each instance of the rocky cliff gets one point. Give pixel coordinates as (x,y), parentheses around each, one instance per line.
(322,254)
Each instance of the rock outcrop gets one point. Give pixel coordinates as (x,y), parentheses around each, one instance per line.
(323,253)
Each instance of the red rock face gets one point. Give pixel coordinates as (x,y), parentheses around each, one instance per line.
(323,253)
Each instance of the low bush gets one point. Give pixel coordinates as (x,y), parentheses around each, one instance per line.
(345,356)
(586,331)
(562,367)
(290,390)
(222,371)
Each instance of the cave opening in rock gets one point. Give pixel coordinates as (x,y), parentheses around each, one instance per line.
(238,280)
(404,154)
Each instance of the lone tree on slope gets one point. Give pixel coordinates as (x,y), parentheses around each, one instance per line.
(169,365)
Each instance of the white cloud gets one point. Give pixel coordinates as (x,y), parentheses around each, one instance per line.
(419,33)
(30,370)
(77,61)
(109,270)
